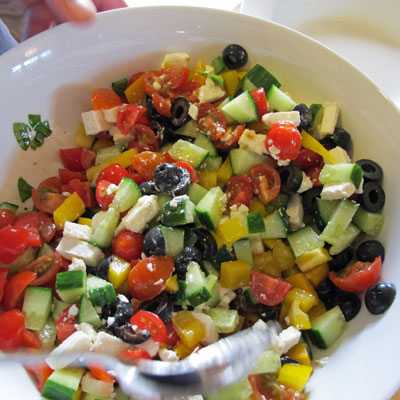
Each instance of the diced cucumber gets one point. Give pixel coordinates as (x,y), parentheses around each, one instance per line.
(9,206)
(212,164)
(269,362)
(209,208)
(345,239)
(317,111)
(327,328)
(325,209)
(190,129)
(368,222)
(339,221)
(255,222)
(91,396)
(218,64)
(126,196)
(224,254)
(276,225)
(63,384)
(338,173)
(45,250)
(180,295)
(242,160)
(242,108)
(213,288)
(258,77)
(248,293)
(48,334)
(103,235)
(209,268)
(165,147)
(196,192)
(278,100)
(107,153)
(87,313)
(196,285)
(205,143)
(71,285)
(58,307)
(224,320)
(37,306)
(178,211)
(190,238)
(243,251)
(100,292)
(174,240)
(229,119)
(304,240)
(239,391)
(183,150)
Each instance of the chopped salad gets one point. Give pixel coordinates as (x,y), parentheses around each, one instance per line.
(197,202)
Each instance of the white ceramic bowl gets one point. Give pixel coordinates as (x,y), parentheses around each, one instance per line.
(53,73)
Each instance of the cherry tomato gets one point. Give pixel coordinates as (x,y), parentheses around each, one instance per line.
(266,387)
(84,191)
(268,290)
(7,217)
(104,98)
(133,356)
(3,281)
(240,190)
(128,245)
(146,320)
(308,159)
(179,76)
(313,174)
(358,276)
(172,337)
(113,174)
(46,268)
(71,159)
(15,287)
(147,278)
(11,330)
(162,104)
(100,373)
(144,139)
(145,163)
(267,182)
(88,158)
(187,91)
(41,371)
(149,81)
(192,172)
(52,184)
(39,221)
(46,201)
(283,141)
(31,339)
(13,242)
(136,177)
(230,138)
(127,117)
(261,101)
(168,157)
(65,324)
(212,121)
(103,198)
(135,77)
(66,175)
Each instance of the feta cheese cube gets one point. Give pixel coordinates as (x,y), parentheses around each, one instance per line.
(167,355)
(306,183)
(88,329)
(175,60)
(257,246)
(110,115)
(287,339)
(329,120)
(71,247)
(340,155)
(337,191)
(253,141)
(73,311)
(94,122)
(295,212)
(272,118)
(118,137)
(150,346)
(77,265)
(77,231)
(193,111)
(109,344)
(210,92)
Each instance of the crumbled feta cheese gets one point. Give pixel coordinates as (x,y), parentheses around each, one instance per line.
(167,355)
(273,150)
(250,140)
(211,330)
(295,212)
(119,137)
(109,344)
(306,183)
(283,163)
(337,191)
(193,111)
(110,115)
(287,339)
(73,311)
(175,60)
(88,329)
(272,118)
(226,296)
(110,189)
(94,122)
(239,212)
(210,92)
(77,231)
(110,320)
(329,120)
(150,346)
(257,246)
(156,85)
(66,194)
(176,200)
(340,155)
(70,247)
(150,267)
(77,265)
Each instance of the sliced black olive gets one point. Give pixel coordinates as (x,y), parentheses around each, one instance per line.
(188,254)
(370,249)
(180,112)
(327,291)
(371,170)
(206,244)
(160,305)
(154,242)
(342,138)
(148,187)
(152,112)
(309,198)
(328,142)
(306,117)
(130,335)
(171,179)
(349,303)
(379,297)
(234,56)
(103,267)
(266,313)
(123,312)
(291,178)
(341,260)
(373,197)
(288,360)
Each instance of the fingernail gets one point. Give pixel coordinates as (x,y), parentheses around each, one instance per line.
(73,10)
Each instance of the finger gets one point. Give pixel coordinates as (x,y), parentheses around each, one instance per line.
(104,5)
(72,10)
(38,18)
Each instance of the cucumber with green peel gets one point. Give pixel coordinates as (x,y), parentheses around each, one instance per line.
(48,334)
(180,295)
(190,237)
(37,307)
(103,235)
(196,291)
(212,164)
(218,64)
(304,240)
(270,362)
(229,119)
(87,313)
(243,251)
(205,143)
(183,150)
(178,211)
(213,287)
(9,206)
(107,153)
(325,209)
(276,225)
(209,208)
(209,268)
(196,192)
(278,100)
(58,307)
(317,111)
(248,293)
(99,291)
(280,201)
(224,320)
(63,384)
(71,285)
(345,240)
(190,129)
(45,250)
(242,160)
(126,196)
(338,173)
(174,240)
(239,391)
(242,108)
(224,254)
(368,222)
(257,77)
(255,222)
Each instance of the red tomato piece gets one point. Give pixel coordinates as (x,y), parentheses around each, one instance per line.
(146,320)
(230,137)
(38,221)
(13,242)
(283,141)
(103,198)
(149,78)
(41,371)
(313,174)
(187,91)
(104,98)
(308,159)
(34,238)
(144,139)
(357,277)
(46,201)
(240,190)
(65,324)
(84,192)
(145,163)
(88,158)
(46,268)
(100,373)
(52,184)
(71,159)
(66,176)
(267,182)
(31,339)
(268,290)
(6,218)
(15,287)
(266,387)
(172,337)
(179,76)
(3,281)
(136,177)
(128,245)
(194,177)
(127,117)
(147,278)
(168,157)
(133,356)
(212,121)
(11,330)
(113,173)
(162,104)
(261,101)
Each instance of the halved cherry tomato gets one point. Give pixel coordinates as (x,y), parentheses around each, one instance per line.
(230,137)
(135,77)
(268,290)
(146,320)
(192,172)
(71,158)
(267,182)
(308,159)
(15,287)
(133,356)
(146,162)
(265,387)
(65,324)
(162,104)
(283,141)
(52,184)
(46,201)
(179,76)
(104,98)
(212,121)
(128,245)
(172,337)
(13,242)
(46,268)
(149,81)
(239,190)
(100,373)
(31,339)
(261,101)
(313,174)
(88,158)
(41,371)
(168,157)
(84,192)
(11,330)
(113,174)
(103,198)
(144,139)
(39,221)
(127,117)
(147,278)
(187,91)
(358,276)
(6,218)
(66,175)
(3,281)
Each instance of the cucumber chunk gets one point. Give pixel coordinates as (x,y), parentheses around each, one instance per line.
(126,196)
(276,225)
(48,334)
(224,320)
(269,362)
(209,268)
(191,129)
(58,307)
(345,239)
(37,307)
(243,108)
(45,250)
(325,209)
(213,288)
(239,391)
(174,240)
(63,384)
(196,285)
(278,100)
(87,313)
(243,251)
(196,192)
(255,222)
(338,173)
(368,222)
(71,285)
(304,240)
(107,153)
(9,206)
(103,236)
(189,152)
(212,164)
(100,292)
(209,208)
(178,211)
(242,160)
(205,143)
(258,77)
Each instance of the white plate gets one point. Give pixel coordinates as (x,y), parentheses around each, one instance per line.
(53,73)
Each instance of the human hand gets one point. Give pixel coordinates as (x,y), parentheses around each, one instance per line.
(43,14)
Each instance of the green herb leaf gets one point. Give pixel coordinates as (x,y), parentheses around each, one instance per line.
(24,189)
(21,133)
(43,128)
(217,79)
(34,119)
(120,86)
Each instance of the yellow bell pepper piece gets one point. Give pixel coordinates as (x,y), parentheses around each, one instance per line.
(299,353)
(294,376)
(235,274)
(283,255)
(298,318)
(70,210)
(224,174)
(232,230)
(241,74)
(118,271)
(312,259)
(207,179)
(123,289)
(189,329)
(317,310)
(270,243)
(196,76)
(291,271)
(101,144)
(318,274)
(218,239)
(300,281)
(231,82)
(265,261)
(256,205)
(81,139)
(85,221)
(182,351)
(257,126)
(135,92)
(124,159)
(78,393)
(312,144)
(306,302)
(171,285)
